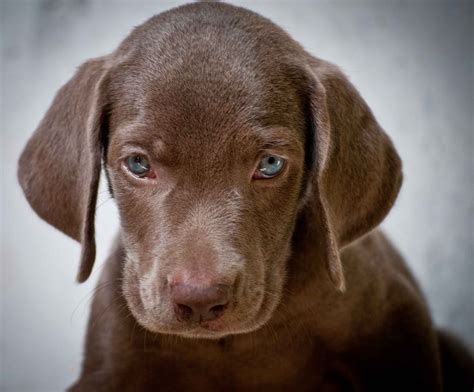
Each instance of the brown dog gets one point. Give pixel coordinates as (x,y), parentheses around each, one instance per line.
(249,177)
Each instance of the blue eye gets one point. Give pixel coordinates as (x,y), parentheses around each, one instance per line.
(269,166)
(139,166)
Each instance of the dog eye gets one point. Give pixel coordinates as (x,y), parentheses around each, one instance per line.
(139,166)
(269,166)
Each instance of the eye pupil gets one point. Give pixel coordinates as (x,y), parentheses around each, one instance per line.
(270,166)
(138,165)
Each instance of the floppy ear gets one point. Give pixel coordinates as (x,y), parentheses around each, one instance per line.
(59,168)
(357,172)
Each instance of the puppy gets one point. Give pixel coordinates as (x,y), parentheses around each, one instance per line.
(250,178)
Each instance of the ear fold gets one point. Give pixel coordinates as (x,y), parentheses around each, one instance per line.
(358,171)
(59,168)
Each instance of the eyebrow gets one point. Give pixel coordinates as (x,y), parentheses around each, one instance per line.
(136,137)
(278,137)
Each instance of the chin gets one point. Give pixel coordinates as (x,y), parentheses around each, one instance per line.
(204,332)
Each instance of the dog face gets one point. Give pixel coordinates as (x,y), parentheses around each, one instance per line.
(218,135)
(207,227)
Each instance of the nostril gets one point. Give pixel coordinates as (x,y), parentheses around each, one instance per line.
(217,310)
(197,303)
(183,312)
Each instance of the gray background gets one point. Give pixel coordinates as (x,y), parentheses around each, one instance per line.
(413,63)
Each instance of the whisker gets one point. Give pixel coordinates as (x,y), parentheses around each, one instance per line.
(105,311)
(101,204)
(89,296)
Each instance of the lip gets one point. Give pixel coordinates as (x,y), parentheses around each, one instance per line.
(208,326)
(215,326)
(202,332)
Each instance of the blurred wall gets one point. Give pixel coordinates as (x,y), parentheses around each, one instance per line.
(412,61)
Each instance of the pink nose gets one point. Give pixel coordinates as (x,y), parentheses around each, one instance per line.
(195,303)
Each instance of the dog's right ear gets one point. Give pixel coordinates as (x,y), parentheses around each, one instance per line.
(59,168)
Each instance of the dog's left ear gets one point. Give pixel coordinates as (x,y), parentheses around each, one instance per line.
(357,172)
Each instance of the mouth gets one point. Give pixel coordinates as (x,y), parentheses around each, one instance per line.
(205,326)
(230,324)
(244,313)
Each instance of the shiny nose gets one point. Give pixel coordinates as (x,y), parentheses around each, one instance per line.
(199,303)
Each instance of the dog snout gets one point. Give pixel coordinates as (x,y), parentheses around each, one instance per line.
(199,302)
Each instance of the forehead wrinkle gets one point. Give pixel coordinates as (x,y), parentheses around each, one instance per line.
(194,117)
(141,136)
(239,136)
(187,108)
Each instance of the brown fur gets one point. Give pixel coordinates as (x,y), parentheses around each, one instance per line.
(320,300)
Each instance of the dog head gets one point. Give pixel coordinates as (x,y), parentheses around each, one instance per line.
(218,134)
